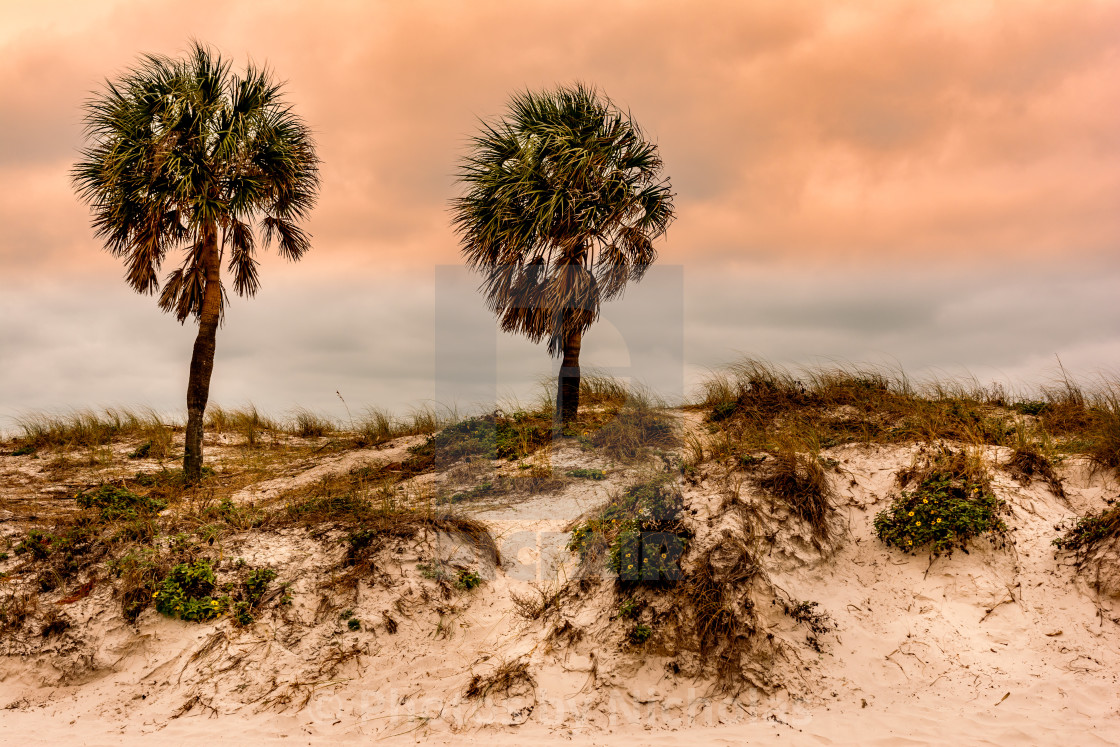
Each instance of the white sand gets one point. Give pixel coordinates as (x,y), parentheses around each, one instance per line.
(999,646)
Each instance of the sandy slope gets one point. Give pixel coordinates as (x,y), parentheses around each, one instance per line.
(1000,646)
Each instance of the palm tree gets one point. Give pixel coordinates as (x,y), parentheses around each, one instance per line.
(563,200)
(183,154)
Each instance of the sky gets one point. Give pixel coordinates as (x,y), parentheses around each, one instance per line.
(927,186)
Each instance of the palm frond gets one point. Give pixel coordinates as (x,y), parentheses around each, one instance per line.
(563,200)
(179,147)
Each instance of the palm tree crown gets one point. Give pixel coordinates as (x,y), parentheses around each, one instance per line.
(563,201)
(181,150)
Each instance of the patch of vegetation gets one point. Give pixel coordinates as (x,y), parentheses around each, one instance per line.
(309,425)
(432,570)
(190,592)
(1029,461)
(354,624)
(817,621)
(1090,532)
(141,570)
(186,593)
(629,609)
(534,606)
(757,404)
(493,436)
(247,421)
(633,429)
(257,583)
(376,427)
(640,633)
(1033,407)
(168,483)
(142,451)
(26,450)
(15,610)
(466,580)
(88,428)
(120,504)
(749,461)
(587,474)
(799,480)
(507,677)
(951,504)
(639,532)
(478,491)
(36,544)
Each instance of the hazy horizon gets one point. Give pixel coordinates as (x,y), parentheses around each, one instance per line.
(927,187)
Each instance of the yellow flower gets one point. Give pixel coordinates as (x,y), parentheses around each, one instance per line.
(925,500)
(911,513)
(919,523)
(939,521)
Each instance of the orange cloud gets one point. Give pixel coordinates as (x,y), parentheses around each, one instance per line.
(794,131)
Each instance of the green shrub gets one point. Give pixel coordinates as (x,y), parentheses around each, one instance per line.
(640,633)
(142,451)
(37,544)
(638,530)
(629,609)
(951,504)
(468,580)
(1031,407)
(494,436)
(431,570)
(186,593)
(1090,531)
(120,504)
(588,474)
(257,583)
(243,613)
(354,624)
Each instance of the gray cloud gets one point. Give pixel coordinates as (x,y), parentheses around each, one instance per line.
(935,185)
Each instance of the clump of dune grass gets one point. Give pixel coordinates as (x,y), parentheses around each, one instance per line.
(637,425)
(246,421)
(534,605)
(1033,458)
(798,480)
(508,678)
(1090,532)
(376,427)
(599,390)
(754,405)
(90,428)
(307,424)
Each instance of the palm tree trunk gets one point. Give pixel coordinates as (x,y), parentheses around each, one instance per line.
(567,385)
(202,360)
